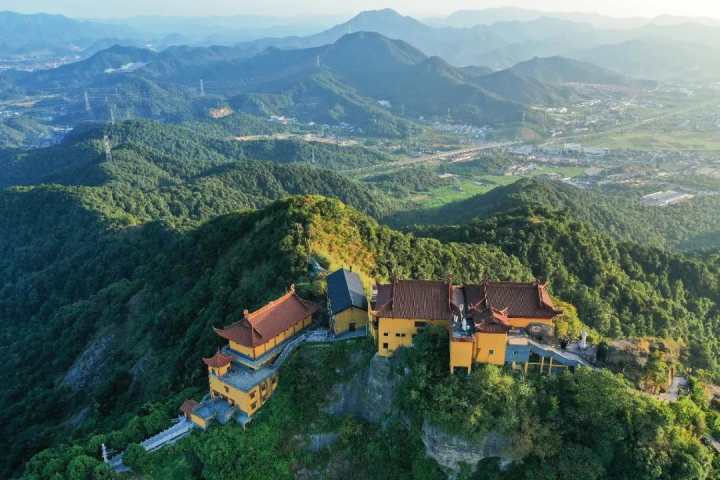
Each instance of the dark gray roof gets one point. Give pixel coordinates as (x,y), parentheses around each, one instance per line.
(345,290)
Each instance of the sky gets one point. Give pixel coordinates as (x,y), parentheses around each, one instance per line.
(283,8)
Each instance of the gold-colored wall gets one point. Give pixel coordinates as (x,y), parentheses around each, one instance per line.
(199,421)
(249,402)
(490,348)
(518,322)
(461,355)
(219,371)
(259,350)
(341,322)
(394,333)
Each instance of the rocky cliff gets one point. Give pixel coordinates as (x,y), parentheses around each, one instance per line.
(369,394)
(452,451)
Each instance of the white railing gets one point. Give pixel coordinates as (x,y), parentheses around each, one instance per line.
(566,355)
(174,433)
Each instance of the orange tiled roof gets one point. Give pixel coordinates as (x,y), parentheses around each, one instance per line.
(269,321)
(188,406)
(218,360)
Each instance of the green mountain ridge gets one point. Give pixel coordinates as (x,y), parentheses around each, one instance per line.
(560,70)
(166,288)
(687,227)
(159,170)
(154,288)
(322,84)
(112,310)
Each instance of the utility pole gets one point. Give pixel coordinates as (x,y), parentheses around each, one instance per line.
(202,88)
(87,102)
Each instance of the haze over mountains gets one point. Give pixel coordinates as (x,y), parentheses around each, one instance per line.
(379,72)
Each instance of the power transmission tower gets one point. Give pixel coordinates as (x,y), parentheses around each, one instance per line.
(112,112)
(87,102)
(202,88)
(105,453)
(108,148)
(317,61)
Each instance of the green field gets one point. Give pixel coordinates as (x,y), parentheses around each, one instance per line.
(476,185)
(464,188)
(652,140)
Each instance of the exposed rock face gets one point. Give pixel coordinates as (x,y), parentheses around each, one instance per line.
(369,394)
(85,370)
(450,451)
(318,441)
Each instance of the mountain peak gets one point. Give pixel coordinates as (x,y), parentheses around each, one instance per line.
(379,19)
(380,13)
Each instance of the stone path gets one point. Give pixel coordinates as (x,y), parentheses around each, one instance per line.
(673,393)
(171,435)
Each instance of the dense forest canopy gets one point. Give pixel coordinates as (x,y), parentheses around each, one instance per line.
(145,298)
(116,267)
(621,289)
(687,226)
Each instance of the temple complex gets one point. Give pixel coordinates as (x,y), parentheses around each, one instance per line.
(498,323)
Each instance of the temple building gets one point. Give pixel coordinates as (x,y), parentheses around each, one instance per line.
(242,374)
(495,322)
(347,302)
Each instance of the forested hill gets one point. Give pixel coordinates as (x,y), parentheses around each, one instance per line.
(105,318)
(688,226)
(124,316)
(321,84)
(191,171)
(620,289)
